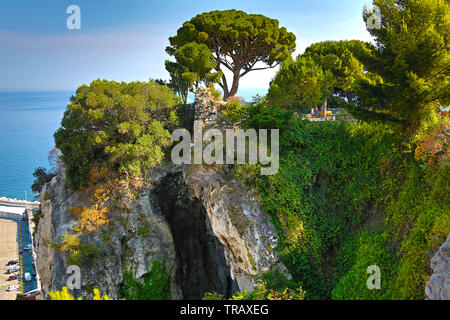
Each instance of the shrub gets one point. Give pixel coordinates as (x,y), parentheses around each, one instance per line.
(154,285)
(42,176)
(119,126)
(233,113)
(261,292)
(82,254)
(65,295)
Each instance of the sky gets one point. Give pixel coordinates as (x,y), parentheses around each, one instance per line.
(125,40)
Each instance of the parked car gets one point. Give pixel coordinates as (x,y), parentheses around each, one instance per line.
(12,262)
(12,288)
(11,278)
(13,269)
(27,276)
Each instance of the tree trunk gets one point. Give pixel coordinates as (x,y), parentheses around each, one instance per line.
(350,97)
(234,87)
(324,108)
(224,85)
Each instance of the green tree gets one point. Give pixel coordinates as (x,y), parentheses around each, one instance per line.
(339,58)
(237,41)
(412,58)
(177,83)
(117,127)
(42,176)
(300,84)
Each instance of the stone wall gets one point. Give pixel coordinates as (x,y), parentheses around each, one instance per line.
(207,109)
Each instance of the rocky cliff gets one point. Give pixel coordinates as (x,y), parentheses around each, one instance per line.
(438,288)
(208,227)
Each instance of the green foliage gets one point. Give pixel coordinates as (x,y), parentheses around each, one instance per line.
(143,231)
(300,84)
(198,62)
(233,113)
(83,254)
(178,84)
(371,248)
(215,94)
(154,285)
(186,115)
(42,176)
(412,58)
(78,252)
(262,292)
(194,64)
(213,296)
(236,40)
(348,196)
(120,127)
(338,57)
(423,206)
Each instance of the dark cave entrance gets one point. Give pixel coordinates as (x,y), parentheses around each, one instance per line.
(201,265)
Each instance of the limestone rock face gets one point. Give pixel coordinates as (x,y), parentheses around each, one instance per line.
(438,288)
(210,229)
(235,217)
(121,244)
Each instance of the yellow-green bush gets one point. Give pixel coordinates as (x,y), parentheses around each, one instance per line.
(65,295)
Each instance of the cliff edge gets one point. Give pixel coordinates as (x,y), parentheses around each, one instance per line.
(208,227)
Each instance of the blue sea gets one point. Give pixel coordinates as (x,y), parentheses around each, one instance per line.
(27,123)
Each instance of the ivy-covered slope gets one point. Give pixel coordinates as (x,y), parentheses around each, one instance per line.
(348,196)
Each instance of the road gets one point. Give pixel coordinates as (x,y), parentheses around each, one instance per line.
(27,257)
(8,252)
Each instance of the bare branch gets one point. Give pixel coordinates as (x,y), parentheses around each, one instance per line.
(256,69)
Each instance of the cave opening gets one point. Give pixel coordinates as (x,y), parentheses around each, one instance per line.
(201,263)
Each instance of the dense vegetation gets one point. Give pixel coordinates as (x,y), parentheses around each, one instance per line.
(301,84)
(411,57)
(349,196)
(154,285)
(121,127)
(352,195)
